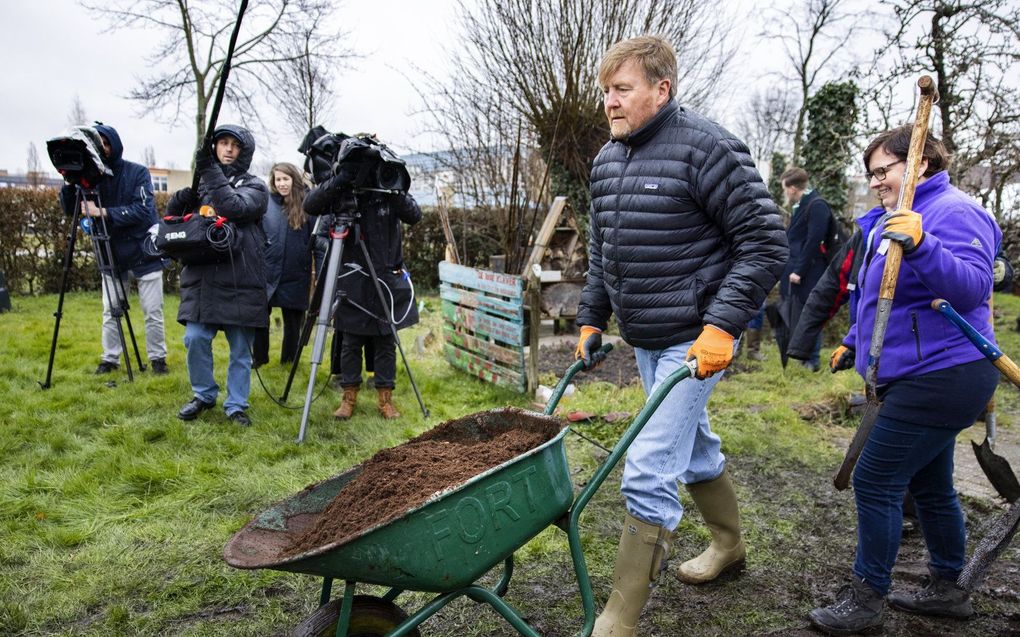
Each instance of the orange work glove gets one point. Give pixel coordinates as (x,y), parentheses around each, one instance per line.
(714,350)
(842,358)
(904,227)
(588,346)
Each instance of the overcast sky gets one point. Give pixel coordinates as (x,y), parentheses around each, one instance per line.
(56,50)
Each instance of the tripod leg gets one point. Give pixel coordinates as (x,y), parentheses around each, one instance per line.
(306,329)
(326,304)
(122,293)
(72,236)
(393,328)
(104,259)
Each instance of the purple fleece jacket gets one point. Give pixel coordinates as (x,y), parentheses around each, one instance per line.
(953,262)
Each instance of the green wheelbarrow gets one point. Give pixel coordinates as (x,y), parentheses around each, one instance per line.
(445,545)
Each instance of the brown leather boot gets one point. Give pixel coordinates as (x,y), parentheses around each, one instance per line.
(346,408)
(386,407)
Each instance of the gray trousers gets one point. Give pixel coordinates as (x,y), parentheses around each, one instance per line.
(150,296)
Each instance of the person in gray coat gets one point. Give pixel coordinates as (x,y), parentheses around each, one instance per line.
(230,295)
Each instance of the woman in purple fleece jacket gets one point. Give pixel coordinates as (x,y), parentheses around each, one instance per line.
(932,382)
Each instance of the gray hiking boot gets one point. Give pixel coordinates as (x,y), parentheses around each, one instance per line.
(939,597)
(858,608)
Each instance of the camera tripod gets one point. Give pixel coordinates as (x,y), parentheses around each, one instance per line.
(343,225)
(109,274)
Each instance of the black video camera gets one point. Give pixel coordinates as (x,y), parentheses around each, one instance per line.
(357,160)
(78,156)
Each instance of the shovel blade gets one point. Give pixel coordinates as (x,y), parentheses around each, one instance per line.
(999,473)
(842,478)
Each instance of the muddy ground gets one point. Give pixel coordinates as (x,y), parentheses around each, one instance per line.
(800,542)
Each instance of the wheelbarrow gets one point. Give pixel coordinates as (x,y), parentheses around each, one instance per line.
(445,545)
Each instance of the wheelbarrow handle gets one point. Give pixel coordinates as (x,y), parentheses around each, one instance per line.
(561,386)
(1005,365)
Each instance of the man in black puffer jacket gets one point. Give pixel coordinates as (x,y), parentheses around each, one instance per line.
(228,296)
(685,244)
(129,210)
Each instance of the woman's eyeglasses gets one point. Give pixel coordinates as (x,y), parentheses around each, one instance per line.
(881,171)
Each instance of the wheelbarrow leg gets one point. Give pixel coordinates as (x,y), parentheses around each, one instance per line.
(344,622)
(327,591)
(504,582)
(484,595)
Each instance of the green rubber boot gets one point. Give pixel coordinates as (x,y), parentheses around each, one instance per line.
(642,555)
(717,503)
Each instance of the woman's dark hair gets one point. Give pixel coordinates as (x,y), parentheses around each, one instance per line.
(896,142)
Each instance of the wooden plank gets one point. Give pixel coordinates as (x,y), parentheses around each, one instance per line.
(506,285)
(483,324)
(513,358)
(545,233)
(486,370)
(490,304)
(535,304)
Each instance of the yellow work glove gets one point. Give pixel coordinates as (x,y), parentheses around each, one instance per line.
(904,227)
(588,346)
(842,358)
(713,349)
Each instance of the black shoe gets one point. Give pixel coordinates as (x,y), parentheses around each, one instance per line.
(106,368)
(158,366)
(194,408)
(241,418)
(939,597)
(858,608)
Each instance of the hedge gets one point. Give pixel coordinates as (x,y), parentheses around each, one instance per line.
(34,237)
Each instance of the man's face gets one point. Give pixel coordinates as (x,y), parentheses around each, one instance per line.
(630,100)
(227,149)
(793,194)
(107,149)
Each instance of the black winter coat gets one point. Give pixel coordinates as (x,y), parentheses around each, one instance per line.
(683,233)
(806,235)
(288,258)
(829,294)
(231,293)
(130,208)
(379,225)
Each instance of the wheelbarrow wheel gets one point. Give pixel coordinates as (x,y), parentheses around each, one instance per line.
(370,617)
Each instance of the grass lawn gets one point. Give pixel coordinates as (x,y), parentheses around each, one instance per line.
(114,513)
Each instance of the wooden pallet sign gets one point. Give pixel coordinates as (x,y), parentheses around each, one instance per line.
(483,324)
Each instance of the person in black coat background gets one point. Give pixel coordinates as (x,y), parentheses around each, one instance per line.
(129,210)
(289,243)
(361,322)
(809,224)
(225,296)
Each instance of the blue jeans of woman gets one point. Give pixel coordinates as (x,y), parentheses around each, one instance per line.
(676,444)
(901,456)
(198,342)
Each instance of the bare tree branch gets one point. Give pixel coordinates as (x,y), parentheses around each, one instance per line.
(187,60)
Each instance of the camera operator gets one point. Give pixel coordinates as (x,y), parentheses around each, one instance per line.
(361,321)
(129,211)
(228,296)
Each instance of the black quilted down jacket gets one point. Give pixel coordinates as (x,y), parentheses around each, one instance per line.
(683,233)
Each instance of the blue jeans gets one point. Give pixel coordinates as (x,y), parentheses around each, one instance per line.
(901,456)
(198,341)
(676,444)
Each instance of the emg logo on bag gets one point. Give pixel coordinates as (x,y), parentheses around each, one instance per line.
(171,236)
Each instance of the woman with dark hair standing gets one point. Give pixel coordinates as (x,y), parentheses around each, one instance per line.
(288,259)
(932,383)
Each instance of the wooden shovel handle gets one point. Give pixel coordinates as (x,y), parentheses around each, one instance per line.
(887,289)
